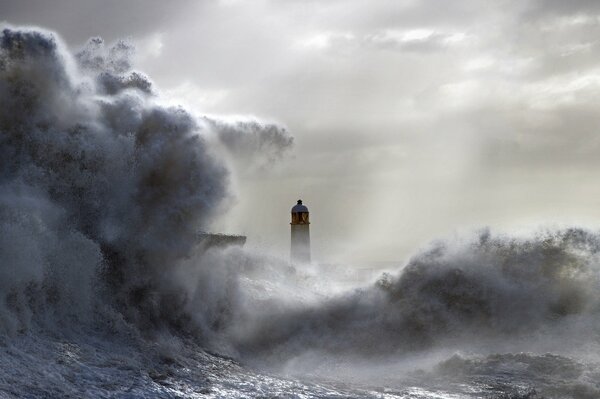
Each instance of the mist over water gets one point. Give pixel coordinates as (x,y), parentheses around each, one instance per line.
(103,191)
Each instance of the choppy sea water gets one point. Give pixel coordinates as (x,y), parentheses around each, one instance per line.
(88,364)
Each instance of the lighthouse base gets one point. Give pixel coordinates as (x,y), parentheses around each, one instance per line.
(300,248)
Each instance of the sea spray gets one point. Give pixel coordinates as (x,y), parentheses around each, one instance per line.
(102,187)
(474,293)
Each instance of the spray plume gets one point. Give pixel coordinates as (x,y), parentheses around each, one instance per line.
(102,188)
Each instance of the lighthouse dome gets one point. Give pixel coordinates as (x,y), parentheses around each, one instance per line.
(299,207)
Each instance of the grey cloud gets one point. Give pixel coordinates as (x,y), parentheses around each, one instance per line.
(556,44)
(523,142)
(79,20)
(363,16)
(544,8)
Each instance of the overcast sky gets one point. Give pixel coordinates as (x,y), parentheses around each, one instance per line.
(412,119)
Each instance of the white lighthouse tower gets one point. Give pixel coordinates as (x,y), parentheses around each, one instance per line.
(300,246)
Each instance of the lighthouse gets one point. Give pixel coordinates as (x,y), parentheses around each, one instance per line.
(300,245)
